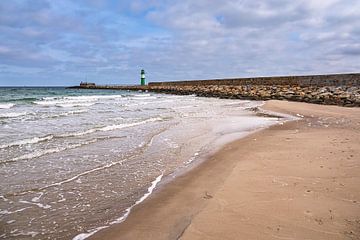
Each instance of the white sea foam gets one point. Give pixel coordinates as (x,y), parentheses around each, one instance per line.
(125,125)
(13,114)
(40,205)
(69,179)
(111,127)
(6,105)
(75,101)
(190,160)
(6,212)
(50,98)
(65,103)
(142,95)
(4,198)
(67,113)
(154,183)
(37,154)
(150,189)
(238,103)
(94,97)
(82,236)
(146,195)
(59,149)
(40,152)
(82,174)
(144,98)
(27,141)
(81,98)
(22,233)
(69,105)
(37,199)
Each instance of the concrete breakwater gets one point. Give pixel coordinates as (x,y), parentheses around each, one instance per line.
(335,89)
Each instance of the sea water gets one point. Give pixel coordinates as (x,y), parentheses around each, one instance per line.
(76,161)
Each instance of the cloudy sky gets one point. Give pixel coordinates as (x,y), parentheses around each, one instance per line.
(64,42)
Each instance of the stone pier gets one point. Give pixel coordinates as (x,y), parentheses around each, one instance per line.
(331,89)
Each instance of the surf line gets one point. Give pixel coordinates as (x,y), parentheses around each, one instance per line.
(121,219)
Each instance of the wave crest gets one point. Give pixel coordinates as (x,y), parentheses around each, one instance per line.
(6,105)
(27,141)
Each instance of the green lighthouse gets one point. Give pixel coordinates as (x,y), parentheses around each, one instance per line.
(142,77)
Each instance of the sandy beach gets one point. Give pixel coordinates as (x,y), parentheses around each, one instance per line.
(298,180)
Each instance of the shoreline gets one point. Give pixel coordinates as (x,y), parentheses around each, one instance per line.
(196,205)
(217,145)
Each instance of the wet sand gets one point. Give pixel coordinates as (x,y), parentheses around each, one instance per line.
(299,180)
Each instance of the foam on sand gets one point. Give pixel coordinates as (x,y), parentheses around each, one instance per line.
(154,183)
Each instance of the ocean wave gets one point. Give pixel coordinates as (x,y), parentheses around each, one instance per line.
(31,116)
(144,98)
(111,127)
(82,174)
(58,103)
(63,114)
(56,184)
(14,114)
(142,95)
(40,205)
(40,153)
(65,103)
(84,97)
(74,134)
(27,141)
(25,99)
(6,105)
(68,105)
(74,101)
(137,151)
(7,212)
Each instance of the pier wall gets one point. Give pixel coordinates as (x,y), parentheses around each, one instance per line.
(334,89)
(352,79)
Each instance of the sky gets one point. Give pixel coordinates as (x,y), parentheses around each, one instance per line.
(63,42)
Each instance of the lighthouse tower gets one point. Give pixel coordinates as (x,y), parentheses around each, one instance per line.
(142,77)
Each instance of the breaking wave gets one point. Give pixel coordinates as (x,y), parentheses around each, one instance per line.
(111,127)
(14,114)
(76,101)
(35,140)
(27,141)
(6,105)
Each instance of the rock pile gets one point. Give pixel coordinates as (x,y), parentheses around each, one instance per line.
(341,95)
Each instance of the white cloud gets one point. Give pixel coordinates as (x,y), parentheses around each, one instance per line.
(182,39)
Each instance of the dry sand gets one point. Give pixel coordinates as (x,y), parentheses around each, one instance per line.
(300,180)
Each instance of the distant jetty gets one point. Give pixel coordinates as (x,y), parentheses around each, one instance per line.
(87,84)
(331,89)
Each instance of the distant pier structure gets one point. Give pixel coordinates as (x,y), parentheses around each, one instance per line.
(331,89)
(87,84)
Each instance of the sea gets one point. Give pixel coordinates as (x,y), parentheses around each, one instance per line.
(75,161)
